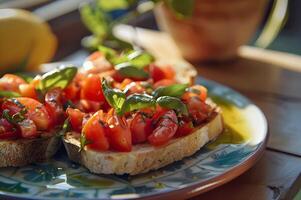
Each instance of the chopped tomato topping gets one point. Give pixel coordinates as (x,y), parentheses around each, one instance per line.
(91,89)
(54,106)
(11,82)
(75,118)
(195,91)
(141,128)
(28,90)
(119,133)
(166,127)
(185,128)
(164,82)
(158,73)
(36,111)
(94,132)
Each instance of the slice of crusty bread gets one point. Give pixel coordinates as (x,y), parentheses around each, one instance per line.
(143,157)
(20,152)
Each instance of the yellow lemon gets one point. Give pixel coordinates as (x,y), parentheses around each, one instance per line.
(26,41)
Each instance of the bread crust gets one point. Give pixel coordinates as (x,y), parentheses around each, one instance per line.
(20,152)
(143,157)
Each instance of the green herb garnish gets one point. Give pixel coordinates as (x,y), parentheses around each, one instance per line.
(173,103)
(59,77)
(138,101)
(9,94)
(129,71)
(114,97)
(176,90)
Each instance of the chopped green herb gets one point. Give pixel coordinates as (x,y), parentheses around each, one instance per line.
(9,94)
(176,90)
(114,97)
(138,101)
(59,77)
(129,71)
(173,103)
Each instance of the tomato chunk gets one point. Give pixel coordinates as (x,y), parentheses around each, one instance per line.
(166,128)
(198,110)
(11,82)
(36,112)
(28,90)
(94,131)
(141,128)
(28,129)
(195,91)
(185,128)
(7,130)
(119,134)
(91,89)
(158,73)
(75,118)
(54,106)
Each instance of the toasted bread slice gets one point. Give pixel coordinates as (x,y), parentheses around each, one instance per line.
(143,157)
(20,152)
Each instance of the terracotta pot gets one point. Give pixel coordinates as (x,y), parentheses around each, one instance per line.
(216,29)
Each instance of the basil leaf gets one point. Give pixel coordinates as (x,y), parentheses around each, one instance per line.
(95,20)
(109,53)
(9,94)
(114,97)
(59,77)
(181,8)
(129,71)
(176,90)
(173,103)
(140,59)
(138,101)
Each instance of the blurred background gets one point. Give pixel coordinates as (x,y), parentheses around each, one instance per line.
(63,15)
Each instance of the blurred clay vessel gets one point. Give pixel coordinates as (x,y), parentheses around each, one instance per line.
(216,29)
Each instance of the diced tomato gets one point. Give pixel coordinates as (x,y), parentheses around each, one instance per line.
(28,129)
(89,106)
(196,91)
(158,73)
(12,106)
(117,77)
(197,109)
(7,130)
(28,90)
(11,82)
(119,134)
(54,106)
(166,127)
(36,112)
(94,131)
(141,128)
(164,82)
(75,118)
(185,128)
(72,91)
(91,89)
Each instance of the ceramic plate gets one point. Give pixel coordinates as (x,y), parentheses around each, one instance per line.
(235,151)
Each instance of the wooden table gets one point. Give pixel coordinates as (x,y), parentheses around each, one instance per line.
(273,81)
